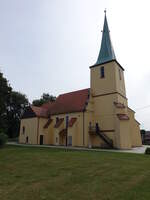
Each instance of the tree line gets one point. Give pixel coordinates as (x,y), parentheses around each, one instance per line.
(12,106)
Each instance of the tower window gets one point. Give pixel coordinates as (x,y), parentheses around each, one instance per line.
(102,72)
(119,74)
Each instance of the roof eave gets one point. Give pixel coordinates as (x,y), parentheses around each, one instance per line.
(114,60)
(60,113)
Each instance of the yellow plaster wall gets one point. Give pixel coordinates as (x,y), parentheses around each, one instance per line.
(76,131)
(120,83)
(96,141)
(103,85)
(72,131)
(88,117)
(134,130)
(110,83)
(31,128)
(104,111)
(47,133)
(123,136)
(56,135)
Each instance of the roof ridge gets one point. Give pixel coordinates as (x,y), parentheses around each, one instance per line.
(73,91)
(38,107)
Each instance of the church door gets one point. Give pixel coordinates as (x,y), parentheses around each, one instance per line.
(41,139)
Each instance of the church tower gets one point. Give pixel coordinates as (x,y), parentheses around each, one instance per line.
(108,92)
(107,75)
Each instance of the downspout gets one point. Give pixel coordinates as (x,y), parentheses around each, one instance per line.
(86,103)
(84,110)
(83,127)
(37,130)
(67,119)
(66,136)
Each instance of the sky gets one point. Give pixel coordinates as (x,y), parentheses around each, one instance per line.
(48,46)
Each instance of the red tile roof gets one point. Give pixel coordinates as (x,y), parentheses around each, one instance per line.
(72,121)
(70,102)
(48,105)
(39,111)
(123,117)
(65,103)
(59,122)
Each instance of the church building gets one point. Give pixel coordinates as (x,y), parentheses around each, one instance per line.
(98,116)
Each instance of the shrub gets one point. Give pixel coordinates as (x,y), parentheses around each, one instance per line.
(147,151)
(3,139)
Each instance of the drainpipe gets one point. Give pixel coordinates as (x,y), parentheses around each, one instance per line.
(37,130)
(66,136)
(67,120)
(83,127)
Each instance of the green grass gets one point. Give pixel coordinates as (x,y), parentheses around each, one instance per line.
(28,173)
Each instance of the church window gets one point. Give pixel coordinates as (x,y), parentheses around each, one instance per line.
(102,72)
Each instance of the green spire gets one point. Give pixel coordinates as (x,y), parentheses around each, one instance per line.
(106,52)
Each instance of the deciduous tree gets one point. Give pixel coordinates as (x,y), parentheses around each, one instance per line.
(44,99)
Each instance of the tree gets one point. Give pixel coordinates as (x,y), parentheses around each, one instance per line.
(5,92)
(143,133)
(16,107)
(44,99)
(12,104)
(3,139)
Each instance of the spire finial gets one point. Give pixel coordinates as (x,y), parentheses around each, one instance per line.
(105,11)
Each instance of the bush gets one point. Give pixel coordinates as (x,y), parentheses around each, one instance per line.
(147,151)
(3,139)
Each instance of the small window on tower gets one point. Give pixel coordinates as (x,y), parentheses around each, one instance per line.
(119,74)
(102,72)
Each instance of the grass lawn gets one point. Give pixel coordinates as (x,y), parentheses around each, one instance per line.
(28,173)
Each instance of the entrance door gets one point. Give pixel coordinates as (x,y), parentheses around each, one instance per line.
(27,139)
(41,139)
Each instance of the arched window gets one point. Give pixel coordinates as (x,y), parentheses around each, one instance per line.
(102,72)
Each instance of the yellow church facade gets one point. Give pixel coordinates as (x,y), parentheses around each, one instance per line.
(98,116)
